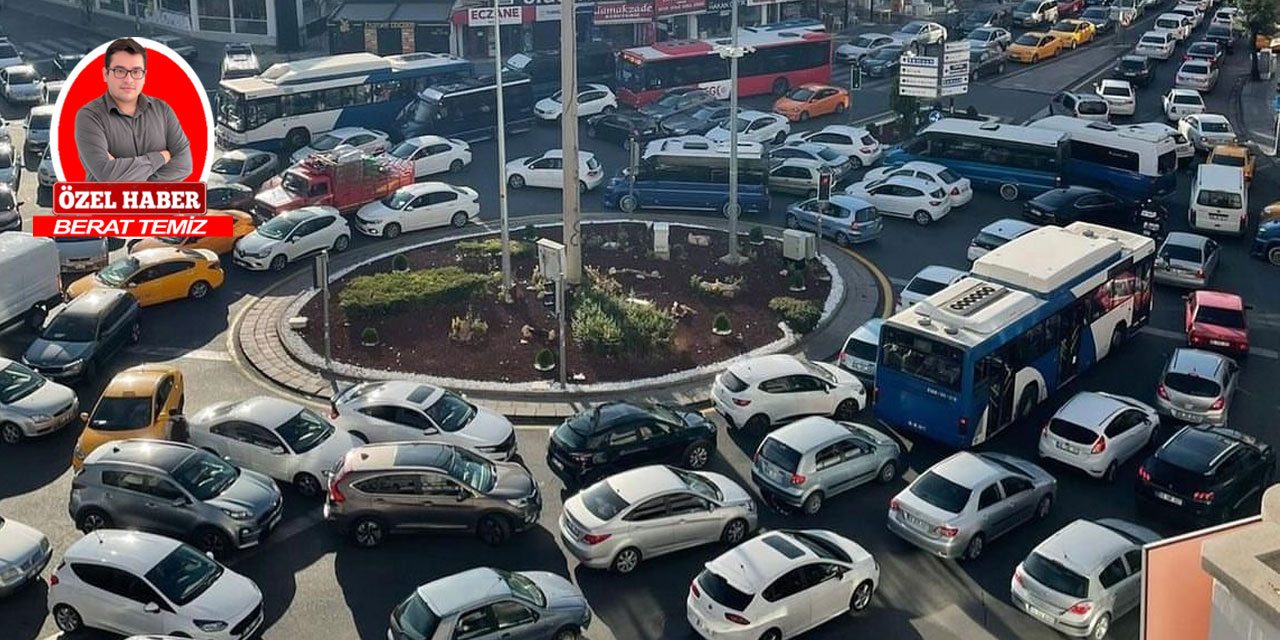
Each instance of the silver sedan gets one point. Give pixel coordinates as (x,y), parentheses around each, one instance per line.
(1186,260)
(958,505)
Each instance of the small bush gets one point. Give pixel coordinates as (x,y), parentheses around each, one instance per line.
(801,315)
(468,328)
(399,262)
(489,248)
(594,329)
(721,325)
(387,293)
(369,336)
(756,235)
(609,323)
(545,360)
(529,234)
(796,281)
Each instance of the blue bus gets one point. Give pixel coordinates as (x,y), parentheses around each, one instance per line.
(977,356)
(1131,163)
(468,109)
(1013,160)
(691,173)
(290,102)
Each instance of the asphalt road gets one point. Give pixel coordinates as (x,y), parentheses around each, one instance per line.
(316,586)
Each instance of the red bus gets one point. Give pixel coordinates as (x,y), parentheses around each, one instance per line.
(781,60)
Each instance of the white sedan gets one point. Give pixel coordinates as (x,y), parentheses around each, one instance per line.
(433,154)
(922,201)
(547,170)
(1179,103)
(275,437)
(1120,96)
(755,126)
(1097,432)
(863,46)
(1207,130)
(958,188)
(856,142)
(1156,44)
(367,140)
(425,205)
(592,99)
(31,405)
(1196,74)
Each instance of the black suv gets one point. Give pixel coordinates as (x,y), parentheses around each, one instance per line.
(621,126)
(1134,68)
(674,101)
(1205,474)
(616,436)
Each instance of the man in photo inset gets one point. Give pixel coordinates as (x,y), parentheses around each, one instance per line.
(126,136)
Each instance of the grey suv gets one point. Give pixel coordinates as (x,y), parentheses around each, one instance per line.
(176,490)
(812,459)
(81,336)
(429,486)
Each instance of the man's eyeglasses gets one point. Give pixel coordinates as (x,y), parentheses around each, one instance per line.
(121,72)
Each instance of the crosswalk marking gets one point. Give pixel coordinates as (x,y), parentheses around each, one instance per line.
(47,49)
(174,353)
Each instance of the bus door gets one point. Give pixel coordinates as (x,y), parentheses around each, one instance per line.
(993,389)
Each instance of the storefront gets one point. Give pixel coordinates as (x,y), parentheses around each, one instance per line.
(277,23)
(388,28)
(623,24)
(527,25)
(677,19)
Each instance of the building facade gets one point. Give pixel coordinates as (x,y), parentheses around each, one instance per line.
(280,23)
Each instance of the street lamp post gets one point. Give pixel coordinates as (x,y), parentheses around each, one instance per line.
(571,198)
(733,52)
(502,155)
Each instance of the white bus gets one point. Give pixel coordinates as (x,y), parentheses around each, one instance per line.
(292,101)
(1129,162)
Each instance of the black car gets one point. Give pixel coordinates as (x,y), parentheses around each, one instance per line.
(616,436)
(676,101)
(84,334)
(1069,204)
(65,62)
(987,15)
(699,122)
(1205,50)
(1134,68)
(1100,18)
(1223,35)
(10,217)
(1206,474)
(229,196)
(986,62)
(620,126)
(883,62)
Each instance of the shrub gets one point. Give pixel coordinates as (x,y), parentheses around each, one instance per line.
(756,235)
(609,323)
(488,248)
(387,293)
(545,360)
(796,281)
(467,328)
(369,336)
(801,315)
(399,262)
(529,234)
(594,329)
(721,325)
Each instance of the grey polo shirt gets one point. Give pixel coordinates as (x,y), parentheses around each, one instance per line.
(134,142)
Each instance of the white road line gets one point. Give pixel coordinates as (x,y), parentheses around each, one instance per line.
(174,353)
(1182,337)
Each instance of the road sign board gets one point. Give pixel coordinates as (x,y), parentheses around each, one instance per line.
(955,69)
(919,61)
(955,57)
(921,72)
(954,81)
(908,81)
(958,45)
(954,91)
(919,92)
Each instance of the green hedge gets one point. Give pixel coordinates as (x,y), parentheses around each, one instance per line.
(489,248)
(384,293)
(801,315)
(610,324)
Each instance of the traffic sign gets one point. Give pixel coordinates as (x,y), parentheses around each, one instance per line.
(919,61)
(919,92)
(958,45)
(954,91)
(960,56)
(956,69)
(955,81)
(908,81)
(920,72)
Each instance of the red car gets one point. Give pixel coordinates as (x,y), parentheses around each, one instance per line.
(1216,321)
(1070,7)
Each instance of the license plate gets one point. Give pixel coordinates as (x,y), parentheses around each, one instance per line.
(1183,415)
(1218,343)
(1039,615)
(1068,448)
(913,521)
(1168,498)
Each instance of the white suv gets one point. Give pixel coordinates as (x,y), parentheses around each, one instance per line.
(775,389)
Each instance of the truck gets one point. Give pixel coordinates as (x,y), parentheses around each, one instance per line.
(32,282)
(345,180)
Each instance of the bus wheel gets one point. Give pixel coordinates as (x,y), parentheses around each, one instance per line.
(1009,192)
(780,86)
(298,138)
(628,203)
(1118,337)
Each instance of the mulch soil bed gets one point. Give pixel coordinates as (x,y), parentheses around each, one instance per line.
(418,341)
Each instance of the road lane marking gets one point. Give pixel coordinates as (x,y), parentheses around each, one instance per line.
(886,289)
(175,353)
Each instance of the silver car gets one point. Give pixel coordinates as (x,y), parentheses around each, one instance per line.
(81,254)
(960,504)
(1197,386)
(862,349)
(810,460)
(486,604)
(401,410)
(1186,260)
(650,511)
(839,164)
(24,553)
(250,167)
(1084,577)
(30,404)
(795,175)
(176,490)
(845,219)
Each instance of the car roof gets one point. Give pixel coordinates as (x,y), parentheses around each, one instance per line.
(1009,228)
(768,367)
(939,273)
(845,129)
(403,392)
(94,301)
(1185,92)
(450,594)
(1090,410)
(268,411)
(315,211)
(45,109)
(159,454)
(849,202)
(1084,546)
(967,469)
(921,165)
(808,163)
(1112,82)
(1137,57)
(388,455)
(137,381)
(1204,444)
(20,67)
(637,485)
(1220,299)
(869,331)
(158,255)
(752,113)
(1231,150)
(343,132)
(751,565)
(1211,117)
(1197,362)
(1184,239)
(927,186)
(808,433)
(811,147)
(135,551)
(431,186)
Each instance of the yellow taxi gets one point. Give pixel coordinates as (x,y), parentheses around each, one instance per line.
(1034,46)
(1233,155)
(158,275)
(241,226)
(1073,32)
(1270,212)
(137,403)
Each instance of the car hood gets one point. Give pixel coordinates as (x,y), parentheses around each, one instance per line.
(874,435)
(229,599)
(252,492)
(512,481)
(853,50)
(1219,333)
(50,398)
(18,541)
(277,198)
(375,210)
(733,492)
(486,429)
(548,105)
(721,134)
(47,352)
(254,242)
(560,593)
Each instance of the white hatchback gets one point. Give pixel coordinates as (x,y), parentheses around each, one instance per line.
(433,154)
(774,389)
(291,236)
(856,142)
(370,141)
(547,171)
(1097,432)
(958,188)
(592,99)
(425,205)
(928,281)
(756,126)
(1120,96)
(922,201)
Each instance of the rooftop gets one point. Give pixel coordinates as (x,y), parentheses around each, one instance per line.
(1247,562)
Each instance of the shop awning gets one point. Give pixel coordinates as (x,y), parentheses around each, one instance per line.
(428,12)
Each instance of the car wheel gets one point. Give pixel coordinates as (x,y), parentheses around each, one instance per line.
(279,262)
(846,409)
(780,138)
(567,633)
(1035,59)
(1118,337)
(591,132)
(697,456)
(977,545)
(308,485)
(772,634)
(460,220)
(92,520)
(628,203)
(888,472)
(67,618)
(734,532)
(1043,507)
(35,318)
(213,541)
(855,162)
(1101,627)
(922,218)
(1027,402)
(11,433)
(516,181)
(582,186)
(626,561)
(758,423)
(391,231)
(608,108)
(792,222)
(493,530)
(456,166)
(861,597)
(368,532)
(1009,192)
(804,115)
(1109,475)
(1273,256)
(812,504)
(780,86)
(199,289)
(341,243)
(840,107)
(91,369)
(842,239)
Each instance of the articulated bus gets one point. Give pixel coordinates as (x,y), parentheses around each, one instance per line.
(290,102)
(781,60)
(1035,313)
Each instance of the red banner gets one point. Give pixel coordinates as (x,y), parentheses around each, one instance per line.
(677,7)
(131,225)
(623,12)
(129,197)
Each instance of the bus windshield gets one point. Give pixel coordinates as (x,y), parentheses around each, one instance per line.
(231,110)
(630,75)
(920,357)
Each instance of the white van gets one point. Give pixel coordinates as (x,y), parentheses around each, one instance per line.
(1219,199)
(1175,23)
(30,280)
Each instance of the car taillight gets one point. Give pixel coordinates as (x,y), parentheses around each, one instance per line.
(1186,57)
(1161,391)
(53,580)
(596,538)
(1099,446)
(741,402)
(215,265)
(894,505)
(1219,403)
(1044,431)
(1199,273)
(1081,608)
(335,494)
(963,426)
(693,588)
(1144,474)
(1202,496)
(934,203)
(947,531)
(1017,576)
(581,458)
(867,149)
(736,619)
(797,479)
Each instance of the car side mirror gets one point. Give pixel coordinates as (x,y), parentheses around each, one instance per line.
(430,431)
(151,607)
(463,495)
(278,450)
(180,501)
(84,417)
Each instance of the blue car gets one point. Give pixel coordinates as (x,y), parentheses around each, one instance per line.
(1266,244)
(845,219)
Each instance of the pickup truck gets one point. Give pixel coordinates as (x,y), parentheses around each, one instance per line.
(345,181)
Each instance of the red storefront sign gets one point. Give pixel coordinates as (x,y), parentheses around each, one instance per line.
(624,12)
(678,7)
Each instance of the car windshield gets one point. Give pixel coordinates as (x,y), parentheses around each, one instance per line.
(865,41)
(1220,199)
(1194,449)
(888,53)
(699,484)
(1097,13)
(1196,69)
(519,61)
(1055,576)
(116,413)
(1228,160)
(228,166)
(1129,64)
(1071,431)
(801,95)
(184,574)
(603,502)
(940,492)
(1029,6)
(719,590)
(305,431)
(117,272)
(1215,126)
(205,475)
(67,327)
(416,619)
(981,35)
(780,455)
(1027,40)
(472,470)
(1219,317)
(1063,25)
(1183,98)
(326,142)
(523,587)
(1157,41)
(451,413)
(861,350)
(7,51)
(1192,385)
(41,121)
(1092,107)
(925,286)
(1181,252)
(398,200)
(827,154)
(22,77)
(911,28)
(1119,92)
(404,150)
(277,228)
(1203,48)
(18,382)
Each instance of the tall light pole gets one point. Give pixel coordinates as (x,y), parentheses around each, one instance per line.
(733,52)
(571,198)
(502,155)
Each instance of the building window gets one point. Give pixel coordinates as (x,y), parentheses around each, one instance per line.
(251,16)
(111,5)
(215,15)
(177,6)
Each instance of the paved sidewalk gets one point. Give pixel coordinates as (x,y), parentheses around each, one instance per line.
(256,333)
(1255,113)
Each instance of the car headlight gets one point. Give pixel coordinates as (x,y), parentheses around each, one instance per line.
(74,366)
(264,252)
(521,503)
(41,417)
(211,626)
(10,574)
(238,514)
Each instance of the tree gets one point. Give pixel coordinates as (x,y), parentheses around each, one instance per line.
(1260,17)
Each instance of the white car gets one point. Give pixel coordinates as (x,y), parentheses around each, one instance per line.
(1097,432)
(1120,96)
(51,90)
(24,553)
(926,282)
(369,141)
(920,200)
(30,404)
(1156,44)
(173,588)
(10,56)
(755,126)
(780,584)
(958,188)
(1192,13)
(996,235)
(425,205)
(1207,130)
(21,84)
(275,437)
(433,154)
(592,99)
(547,170)
(990,38)
(1178,25)
(1182,146)
(920,32)
(863,46)
(397,410)
(1196,74)
(1180,103)
(290,236)
(856,142)
(758,393)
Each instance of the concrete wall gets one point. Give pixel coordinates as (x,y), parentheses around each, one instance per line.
(1235,620)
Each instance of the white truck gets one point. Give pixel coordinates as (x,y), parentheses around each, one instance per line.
(30,279)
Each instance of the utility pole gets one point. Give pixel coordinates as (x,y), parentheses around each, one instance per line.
(502,155)
(571,197)
(733,52)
